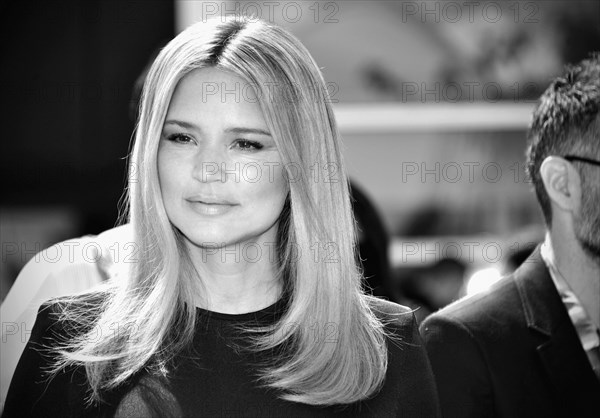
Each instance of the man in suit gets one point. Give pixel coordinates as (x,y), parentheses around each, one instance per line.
(529,346)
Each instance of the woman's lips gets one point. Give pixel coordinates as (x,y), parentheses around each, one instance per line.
(211,207)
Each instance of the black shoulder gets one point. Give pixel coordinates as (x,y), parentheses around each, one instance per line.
(90,299)
(387,310)
(486,320)
(398,320)
(500,300)
(409,379)
(38,386)
(70,316)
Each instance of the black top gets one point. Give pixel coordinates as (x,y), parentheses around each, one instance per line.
(216,379)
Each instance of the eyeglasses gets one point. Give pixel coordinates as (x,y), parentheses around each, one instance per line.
(582,159)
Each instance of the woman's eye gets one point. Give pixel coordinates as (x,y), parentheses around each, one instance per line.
(247,145)
(179,138)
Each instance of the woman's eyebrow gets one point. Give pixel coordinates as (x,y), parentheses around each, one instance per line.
(236,130)
(248,131)
(181,123)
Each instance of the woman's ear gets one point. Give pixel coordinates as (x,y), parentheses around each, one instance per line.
(562,183)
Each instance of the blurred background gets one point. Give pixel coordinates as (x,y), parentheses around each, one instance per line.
(432,98)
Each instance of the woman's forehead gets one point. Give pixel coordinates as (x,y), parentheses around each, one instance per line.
(216,94)
(215,81)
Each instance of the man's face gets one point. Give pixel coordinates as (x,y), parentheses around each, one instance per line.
(587,221)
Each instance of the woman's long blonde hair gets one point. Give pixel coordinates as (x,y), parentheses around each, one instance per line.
(336,348)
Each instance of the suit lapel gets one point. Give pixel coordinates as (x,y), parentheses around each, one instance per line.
(557,343)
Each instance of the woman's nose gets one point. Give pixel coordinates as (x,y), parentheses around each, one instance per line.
(212,164)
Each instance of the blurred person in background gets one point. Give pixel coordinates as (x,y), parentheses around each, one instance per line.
(431,288)
(373,244)
(200,334)
(529,346)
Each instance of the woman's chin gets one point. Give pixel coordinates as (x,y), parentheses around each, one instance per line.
(209,241)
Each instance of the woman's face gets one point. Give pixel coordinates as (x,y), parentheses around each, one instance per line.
(220,172)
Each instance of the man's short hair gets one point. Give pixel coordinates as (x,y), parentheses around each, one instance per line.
(565,121)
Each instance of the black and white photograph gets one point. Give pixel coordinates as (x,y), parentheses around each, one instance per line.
(311,208)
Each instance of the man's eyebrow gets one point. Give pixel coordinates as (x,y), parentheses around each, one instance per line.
(236,130)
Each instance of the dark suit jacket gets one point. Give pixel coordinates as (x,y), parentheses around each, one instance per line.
(511,352)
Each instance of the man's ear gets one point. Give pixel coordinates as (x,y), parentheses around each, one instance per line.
(562,183)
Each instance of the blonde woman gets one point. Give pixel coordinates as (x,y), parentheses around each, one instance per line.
(244,298)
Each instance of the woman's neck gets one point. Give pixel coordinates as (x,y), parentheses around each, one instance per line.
(236,279)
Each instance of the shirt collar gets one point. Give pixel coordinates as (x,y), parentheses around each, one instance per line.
(586,330)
